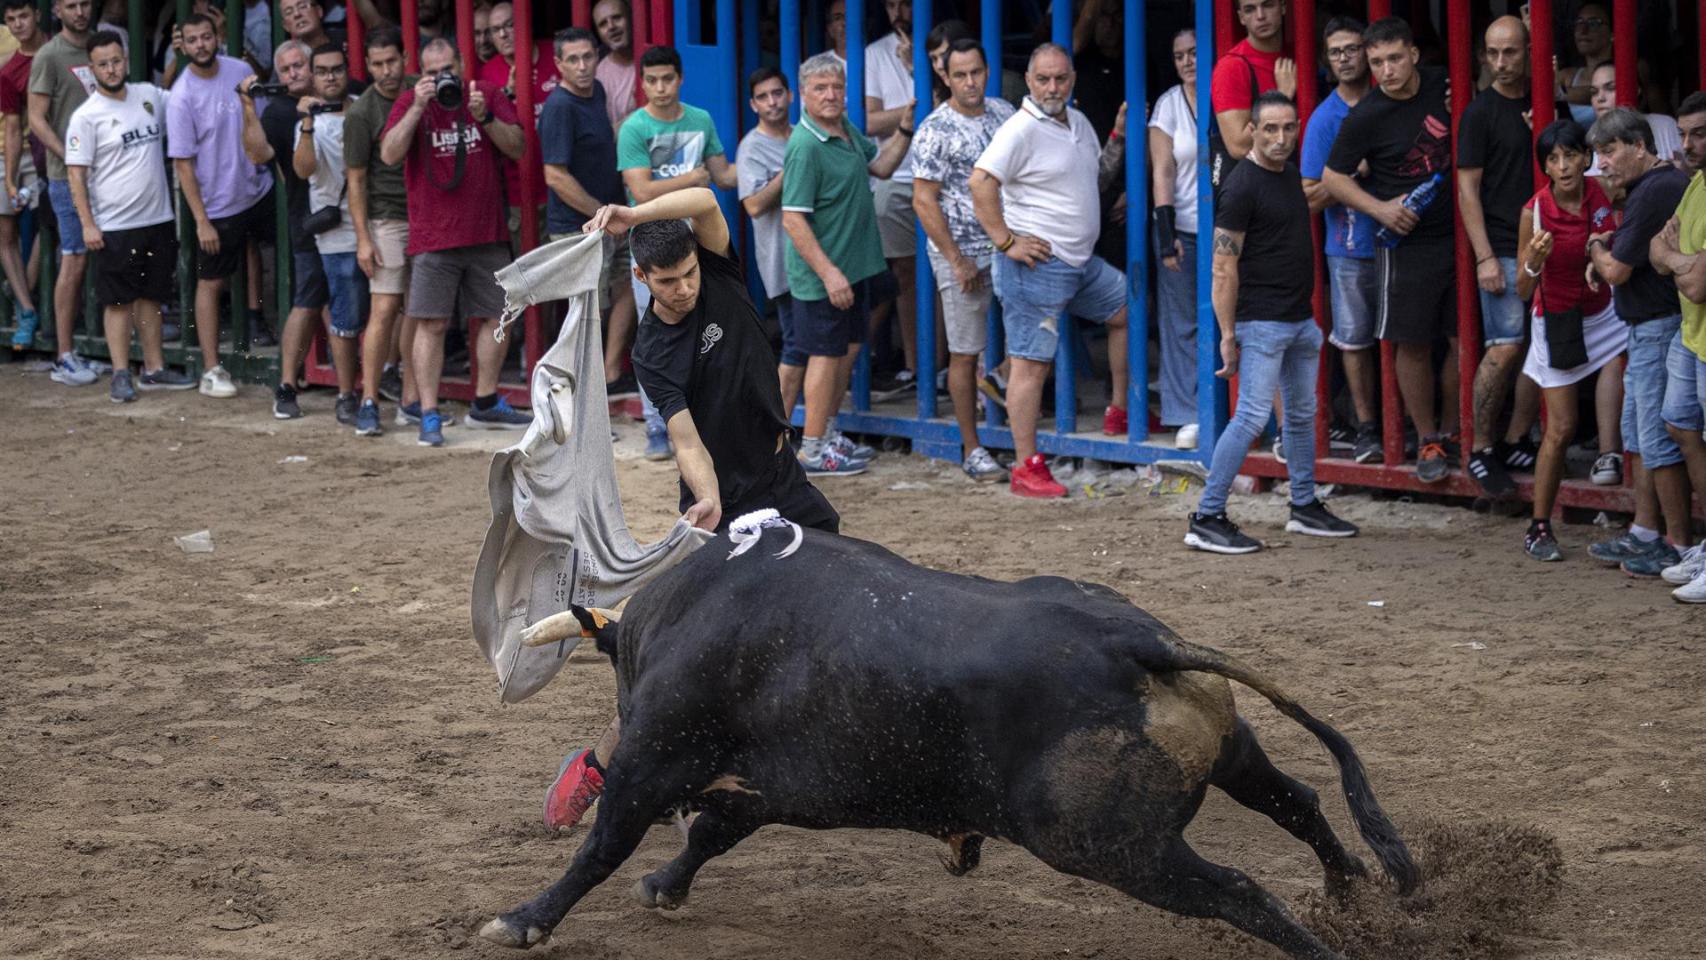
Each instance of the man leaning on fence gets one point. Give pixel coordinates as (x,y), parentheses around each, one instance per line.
(115,157)
(1264,282)
(449,147)
(1035,191)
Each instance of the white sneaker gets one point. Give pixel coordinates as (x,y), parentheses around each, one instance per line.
(217,383)
(1186,438)
(1608,471)
(1692,564)
(72,370)
(1694,591)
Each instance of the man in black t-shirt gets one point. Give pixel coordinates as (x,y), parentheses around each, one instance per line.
(1647,302)
(1264,278)
(1495,177)
(1403,130)
(703,356)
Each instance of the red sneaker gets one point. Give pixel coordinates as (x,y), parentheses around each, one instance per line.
(575,790)
(1114,423)
(1033,479)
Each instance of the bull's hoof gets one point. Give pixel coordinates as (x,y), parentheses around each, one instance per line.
(507,934)
(652,897)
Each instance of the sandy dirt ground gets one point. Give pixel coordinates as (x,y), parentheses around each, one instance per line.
(292,748)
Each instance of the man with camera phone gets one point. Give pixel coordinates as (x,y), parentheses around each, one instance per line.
(229,195)
(448,134)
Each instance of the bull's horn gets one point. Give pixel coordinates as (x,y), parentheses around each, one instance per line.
(564,626)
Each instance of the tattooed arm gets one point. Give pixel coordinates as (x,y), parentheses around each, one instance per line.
(1228,247)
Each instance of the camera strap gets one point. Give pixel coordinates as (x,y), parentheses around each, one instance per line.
(461,158)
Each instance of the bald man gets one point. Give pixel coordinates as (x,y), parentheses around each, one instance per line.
(1495,177)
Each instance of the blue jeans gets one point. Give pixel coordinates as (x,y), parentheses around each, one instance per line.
(1644,381)
(1354,286)
(1176,306)
(1033,298)
(1685,388)
(65,213)
(1504,317)
(1271,354)
(345,289)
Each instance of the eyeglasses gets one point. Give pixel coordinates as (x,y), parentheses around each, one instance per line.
(504,27)
(329,71)
(1350,52)
(1589,23)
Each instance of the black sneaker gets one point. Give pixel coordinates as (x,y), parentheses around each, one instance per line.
(1312,519)
(1341,436)
(346,408)
(1217,534)
(622,387)
(284,403)
(259,334)
(391,383)
(1489,472)
(1367,449)
(1539,543)
(1521,455)
(1431,464)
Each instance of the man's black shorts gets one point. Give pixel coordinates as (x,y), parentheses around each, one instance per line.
(1418,293)
(139,264)
(788,492)
(235,232)
(820,330)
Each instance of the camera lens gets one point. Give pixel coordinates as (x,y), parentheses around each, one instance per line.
(447,91)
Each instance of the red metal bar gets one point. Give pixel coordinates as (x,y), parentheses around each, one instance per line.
(1543,82)
(1391,411)
(465,44)
(1460,45)
(533,339)
(1304,43)
(582,14)
(663,23)
(411,27)
(1623,51)
(640,24)
(1379,10)
(357,49)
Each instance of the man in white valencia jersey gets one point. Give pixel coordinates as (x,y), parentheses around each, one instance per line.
(116,163)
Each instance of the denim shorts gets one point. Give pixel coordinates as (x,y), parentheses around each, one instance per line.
(1354,285)
(1644,381)
(1033,298)
(1504,317)
(1685,387)
(65,212)
(345,293)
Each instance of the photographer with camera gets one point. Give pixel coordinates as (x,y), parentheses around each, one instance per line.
(269,138)
(318,157)
(449,135)
(229,195)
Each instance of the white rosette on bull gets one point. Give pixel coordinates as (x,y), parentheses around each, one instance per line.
(558,536)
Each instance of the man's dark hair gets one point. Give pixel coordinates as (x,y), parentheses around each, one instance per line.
(1388,30)
(1565,133)
(764,75)
(662,56)
(947,31)
(1622,125)
(569,35)
(1341,25)
(11,5)
(661,243)
(197,19)
(382,38)
(1272,98)
(327,48)
(1692,104)
(965,45)
(100,38)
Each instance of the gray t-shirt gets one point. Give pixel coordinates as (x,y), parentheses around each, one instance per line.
(326,186)
(758,160)
(61,71)
(946,147)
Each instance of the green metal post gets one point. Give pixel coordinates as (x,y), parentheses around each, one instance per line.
(239,286)
(138,43)
(284,264)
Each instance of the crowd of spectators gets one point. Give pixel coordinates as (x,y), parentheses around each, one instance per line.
(391,190)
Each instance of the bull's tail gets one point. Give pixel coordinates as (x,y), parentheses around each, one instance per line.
(1376,828)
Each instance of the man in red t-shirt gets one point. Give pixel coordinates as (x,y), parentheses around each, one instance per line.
(1264,55)
(457,234)
(499,74)
(21,168)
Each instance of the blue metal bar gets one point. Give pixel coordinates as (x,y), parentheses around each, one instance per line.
(1065,370)
(1136,236)
(751,58)
(790,52)
(1211,394)
(925,284)
(856,116)
(992,354)
(711,71)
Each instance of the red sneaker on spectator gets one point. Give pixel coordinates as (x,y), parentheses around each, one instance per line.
(1033,479)
(1114,423)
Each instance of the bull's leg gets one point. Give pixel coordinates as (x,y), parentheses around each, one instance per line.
(636,794)
(713,834)
(1187,884)
(1247,776)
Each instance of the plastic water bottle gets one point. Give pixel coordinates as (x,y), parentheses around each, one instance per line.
(26,196)
(1415,201)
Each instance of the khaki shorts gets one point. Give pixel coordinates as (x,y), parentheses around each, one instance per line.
(391,240)
(896,223)
(965,316)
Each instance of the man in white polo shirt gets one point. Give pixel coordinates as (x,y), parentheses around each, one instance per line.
(1034,190)
(116,163)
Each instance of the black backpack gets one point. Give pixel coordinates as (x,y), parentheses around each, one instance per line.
(1220,161)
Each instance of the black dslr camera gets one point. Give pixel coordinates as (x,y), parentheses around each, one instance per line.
(268,90)
(320,108)
(447,89)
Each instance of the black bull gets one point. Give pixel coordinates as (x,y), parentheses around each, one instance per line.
(843,686)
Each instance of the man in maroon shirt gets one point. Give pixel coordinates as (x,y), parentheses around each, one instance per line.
(457,234)
(1262,55)
(25,23)
(499,73)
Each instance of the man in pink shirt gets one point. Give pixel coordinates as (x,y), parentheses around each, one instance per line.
(616,70)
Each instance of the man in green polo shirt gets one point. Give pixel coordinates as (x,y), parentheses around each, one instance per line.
(834,253)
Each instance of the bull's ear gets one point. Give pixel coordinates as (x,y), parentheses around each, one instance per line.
(593,619)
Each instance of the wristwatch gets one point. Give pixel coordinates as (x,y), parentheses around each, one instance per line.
(306,128)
